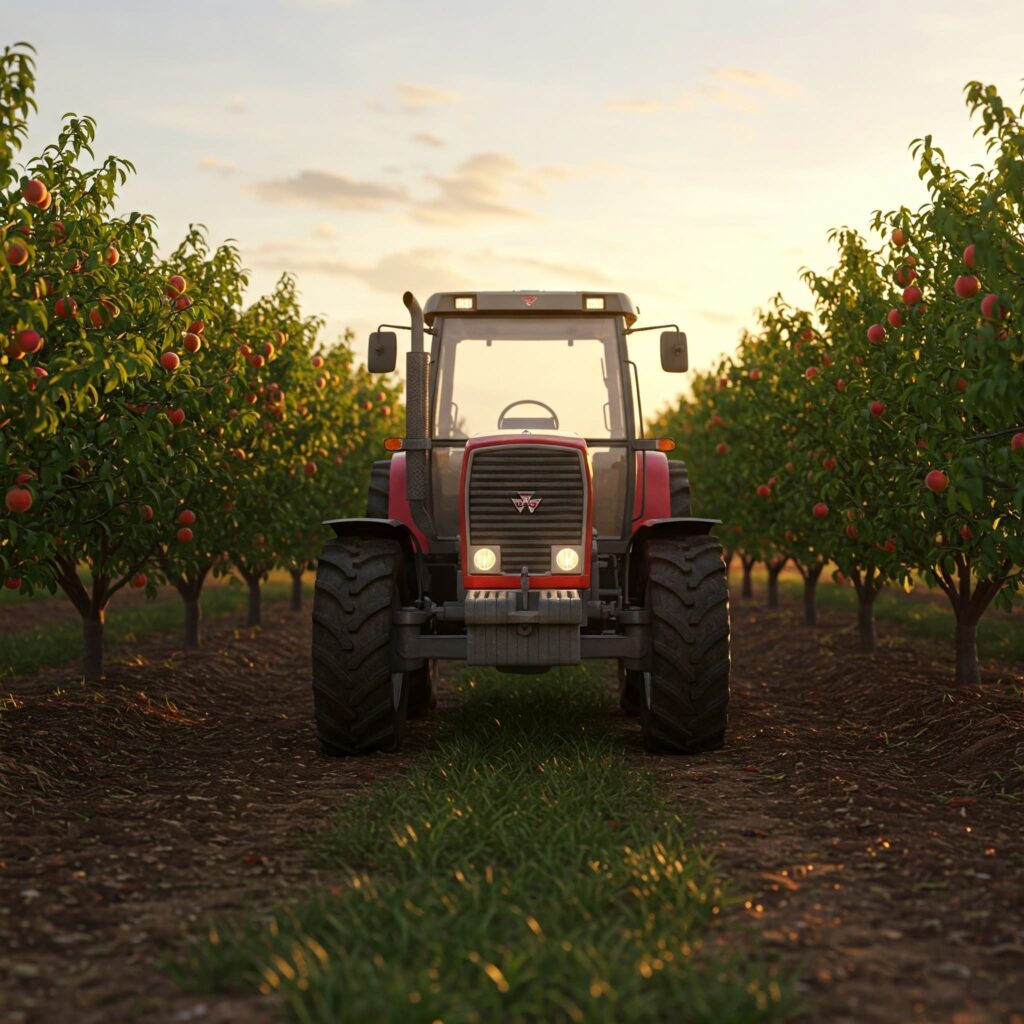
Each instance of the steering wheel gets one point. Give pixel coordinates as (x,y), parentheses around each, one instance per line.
(527,422)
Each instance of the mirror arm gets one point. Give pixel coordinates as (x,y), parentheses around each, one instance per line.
(404,327)
(653,327)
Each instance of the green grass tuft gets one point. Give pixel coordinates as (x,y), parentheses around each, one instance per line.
(523,870)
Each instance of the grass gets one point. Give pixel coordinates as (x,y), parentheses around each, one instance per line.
(56,643)
(999,636)
(523,870)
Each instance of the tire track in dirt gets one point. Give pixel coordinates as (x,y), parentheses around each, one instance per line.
(129,815)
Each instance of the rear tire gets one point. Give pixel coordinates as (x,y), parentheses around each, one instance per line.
(631,690)
(686,693)
(679,490)
(422,689)
(360,705)
(377,499)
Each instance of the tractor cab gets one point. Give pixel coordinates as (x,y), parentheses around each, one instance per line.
(502,374)
(520,519)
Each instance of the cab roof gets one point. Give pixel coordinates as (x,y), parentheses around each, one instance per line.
(529,302)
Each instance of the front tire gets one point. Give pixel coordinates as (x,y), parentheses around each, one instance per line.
(359,703)
(686,693)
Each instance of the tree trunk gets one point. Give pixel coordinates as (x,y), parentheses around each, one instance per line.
(967,671)
(748,567)
(773,583)
(811,576)
(91,607)
(296,589)
(254,617)
(969,598)
(192,615)
(867,587)
(190,589)
(866,620)
(92,645)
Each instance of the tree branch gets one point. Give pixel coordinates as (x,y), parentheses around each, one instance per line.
(946,583)
(133,570)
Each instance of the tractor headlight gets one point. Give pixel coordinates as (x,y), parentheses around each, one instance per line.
(485,559)
(565,559)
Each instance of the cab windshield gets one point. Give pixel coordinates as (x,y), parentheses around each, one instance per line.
(528,373)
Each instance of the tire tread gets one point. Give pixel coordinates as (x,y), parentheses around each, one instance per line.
(352,691)
(689,603)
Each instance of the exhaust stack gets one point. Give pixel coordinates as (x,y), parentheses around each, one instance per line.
(417,412)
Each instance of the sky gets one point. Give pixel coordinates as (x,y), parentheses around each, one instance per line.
(692,155)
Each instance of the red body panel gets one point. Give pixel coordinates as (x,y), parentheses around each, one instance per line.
(652,499)
(398,504)
(473,581)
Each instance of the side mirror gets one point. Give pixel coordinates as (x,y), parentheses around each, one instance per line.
(383,352)
(674,358)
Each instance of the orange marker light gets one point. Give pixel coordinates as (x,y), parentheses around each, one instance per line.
(393,444)
(665,444)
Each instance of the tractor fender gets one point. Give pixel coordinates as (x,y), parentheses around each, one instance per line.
(667,527)
(690,527)
(394,529)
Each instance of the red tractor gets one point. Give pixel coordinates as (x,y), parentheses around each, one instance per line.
(524,521)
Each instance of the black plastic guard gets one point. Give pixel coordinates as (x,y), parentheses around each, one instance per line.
(688,527)
(393,528)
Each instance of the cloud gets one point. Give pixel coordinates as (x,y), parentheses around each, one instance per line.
(235,105)
(483,186)
(636,106)
(420,270)
(428,139)
(758,80)
(324,230)
(479,188)
(326,189)
(728,87)
(415,97)
(217,165)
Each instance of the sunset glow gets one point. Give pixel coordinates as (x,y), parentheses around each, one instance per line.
(692,156)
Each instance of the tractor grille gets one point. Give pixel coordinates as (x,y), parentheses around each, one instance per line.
(500,476)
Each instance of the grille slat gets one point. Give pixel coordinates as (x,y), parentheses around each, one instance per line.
(555,475)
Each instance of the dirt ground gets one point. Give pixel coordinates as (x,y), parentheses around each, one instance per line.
(872,816)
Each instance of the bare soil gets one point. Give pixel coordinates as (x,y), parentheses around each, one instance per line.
(871,815)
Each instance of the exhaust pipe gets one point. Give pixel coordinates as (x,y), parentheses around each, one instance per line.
(416,313)
(417,412)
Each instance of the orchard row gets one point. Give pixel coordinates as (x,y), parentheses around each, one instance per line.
(881,432)
(154,426)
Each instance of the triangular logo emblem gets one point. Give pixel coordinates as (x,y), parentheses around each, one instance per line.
(525,501)
(529,299)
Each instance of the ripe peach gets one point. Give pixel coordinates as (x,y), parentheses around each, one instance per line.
(35,192)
